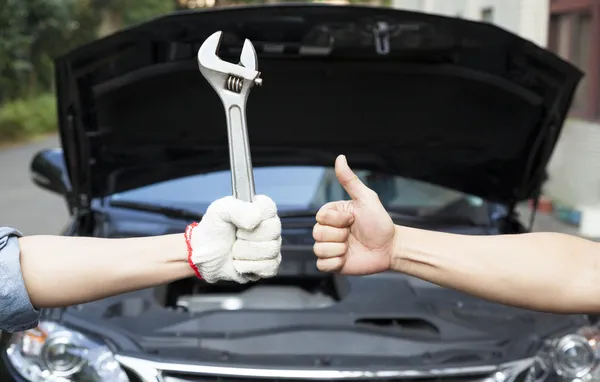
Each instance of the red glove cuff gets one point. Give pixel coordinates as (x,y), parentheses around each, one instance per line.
(188,242)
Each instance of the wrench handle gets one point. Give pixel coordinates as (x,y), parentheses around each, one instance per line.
(242,175)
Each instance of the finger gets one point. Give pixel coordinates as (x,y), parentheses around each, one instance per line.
(267,206)
(329,250)
(267,230)
(334,217)
(331,234)
(348,179)
(237,212)
(226,272)
(256,250)
(331,265)
(246,276)
(257,269)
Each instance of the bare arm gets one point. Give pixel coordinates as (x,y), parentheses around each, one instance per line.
(62,271)
(540,271)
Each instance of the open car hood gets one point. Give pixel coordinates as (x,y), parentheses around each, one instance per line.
(461,104)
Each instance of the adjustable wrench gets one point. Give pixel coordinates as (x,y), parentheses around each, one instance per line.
(233,82)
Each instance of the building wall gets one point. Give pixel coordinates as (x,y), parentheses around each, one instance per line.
(574,170)
(527,18)
(571,28)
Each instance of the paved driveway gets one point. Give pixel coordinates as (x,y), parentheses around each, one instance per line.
(22,204)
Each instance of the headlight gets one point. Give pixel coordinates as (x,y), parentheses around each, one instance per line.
(54,353)
(574,357)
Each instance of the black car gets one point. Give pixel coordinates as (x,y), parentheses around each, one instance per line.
(452,122)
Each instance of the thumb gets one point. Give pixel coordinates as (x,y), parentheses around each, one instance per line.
(348,179)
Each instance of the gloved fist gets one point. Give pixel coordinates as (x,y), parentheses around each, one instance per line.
(237,241)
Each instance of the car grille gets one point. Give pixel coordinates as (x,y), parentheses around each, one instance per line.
(146,370)
(191,378)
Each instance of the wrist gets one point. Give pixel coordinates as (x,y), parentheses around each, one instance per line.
(407,248)
(189,250)
(153,260)
(396,255)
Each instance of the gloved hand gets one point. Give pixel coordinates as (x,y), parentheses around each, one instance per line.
(236,241)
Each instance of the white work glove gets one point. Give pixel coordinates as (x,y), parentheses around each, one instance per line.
(237,241)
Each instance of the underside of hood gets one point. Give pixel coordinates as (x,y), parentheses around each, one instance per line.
(452,102)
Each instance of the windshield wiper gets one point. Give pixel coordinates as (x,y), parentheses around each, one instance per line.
(170,212)
(401,215)
(300,213)
(404,215)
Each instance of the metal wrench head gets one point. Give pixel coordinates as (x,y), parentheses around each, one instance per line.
(223,75)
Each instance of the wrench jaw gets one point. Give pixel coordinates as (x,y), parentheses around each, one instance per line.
(236,79)
(248,57)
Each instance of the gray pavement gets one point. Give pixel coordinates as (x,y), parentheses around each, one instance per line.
(35,211)
(22,204)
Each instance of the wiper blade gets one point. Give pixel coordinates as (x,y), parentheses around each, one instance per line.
(399,214)
(170,212)
(403,216)
(301,213)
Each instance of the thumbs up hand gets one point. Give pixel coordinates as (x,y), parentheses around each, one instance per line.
(354,237)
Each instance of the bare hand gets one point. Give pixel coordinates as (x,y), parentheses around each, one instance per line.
(354,237)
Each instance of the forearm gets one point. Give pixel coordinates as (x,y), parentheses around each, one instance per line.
(62,271)
(539,271)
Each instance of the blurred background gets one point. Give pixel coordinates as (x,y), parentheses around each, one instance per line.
(33,32)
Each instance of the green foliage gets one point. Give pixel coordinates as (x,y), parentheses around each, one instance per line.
(33,33)
(15,64)
(117,14)
(28,117)
(135,11)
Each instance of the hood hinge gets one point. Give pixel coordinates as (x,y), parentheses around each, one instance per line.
(534,208)
(82,206)
(381,33)
(83,215)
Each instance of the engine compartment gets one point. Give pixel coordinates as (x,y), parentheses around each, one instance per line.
(279,293)
(298,286)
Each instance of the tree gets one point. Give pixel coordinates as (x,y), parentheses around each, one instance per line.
(14,55)
(32,32)
(117,14)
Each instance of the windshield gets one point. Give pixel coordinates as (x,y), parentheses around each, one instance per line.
(297,188)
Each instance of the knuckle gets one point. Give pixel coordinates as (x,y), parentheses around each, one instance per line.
(346,233)
(315,232)
(341,248)
(318,232)
(320,266)
(325,215)
(316,248)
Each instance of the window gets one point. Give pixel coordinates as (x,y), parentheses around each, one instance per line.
(487,15)
(294,187)
(570,38)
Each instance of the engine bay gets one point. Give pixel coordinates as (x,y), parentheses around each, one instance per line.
(279,293)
